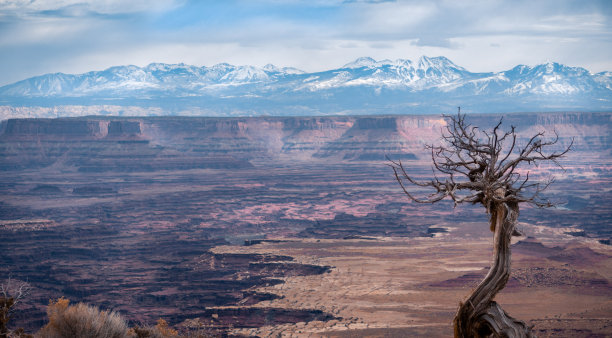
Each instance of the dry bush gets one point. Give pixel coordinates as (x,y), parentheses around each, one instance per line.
(144,332)
(195,329)
(164,329)
(161,330)
(19,333)
(81,320)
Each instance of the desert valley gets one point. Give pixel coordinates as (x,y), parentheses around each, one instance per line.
(260,226)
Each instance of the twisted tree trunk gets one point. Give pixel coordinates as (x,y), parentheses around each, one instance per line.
(479,315)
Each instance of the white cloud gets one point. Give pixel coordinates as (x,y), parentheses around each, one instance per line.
(46,30)
(99,6)
(390,17)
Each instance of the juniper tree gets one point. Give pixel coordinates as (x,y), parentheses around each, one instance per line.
(482,167)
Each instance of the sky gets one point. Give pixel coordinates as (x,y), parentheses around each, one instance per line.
(76,36)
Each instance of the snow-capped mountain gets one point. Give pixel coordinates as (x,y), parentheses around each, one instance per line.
(362,86)
(157,77)
(423,74)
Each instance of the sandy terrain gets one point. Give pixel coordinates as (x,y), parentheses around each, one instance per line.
(397,287)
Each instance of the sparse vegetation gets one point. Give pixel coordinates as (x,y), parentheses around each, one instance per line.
(482,167)
(160,330)
(82,320)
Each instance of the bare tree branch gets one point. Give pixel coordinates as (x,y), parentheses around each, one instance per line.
(11,294)
(484,159)
(17,292)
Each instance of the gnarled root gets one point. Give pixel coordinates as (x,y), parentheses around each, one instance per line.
(494,322)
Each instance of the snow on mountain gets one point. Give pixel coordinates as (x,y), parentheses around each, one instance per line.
(604,79)
(245,74)
(432,81)
(272,69)
(361,62)
(424,74)
(550,78)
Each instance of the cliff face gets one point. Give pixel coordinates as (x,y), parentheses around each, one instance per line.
(193,142)
(50,128)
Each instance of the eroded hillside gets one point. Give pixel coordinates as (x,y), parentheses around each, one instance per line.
(129,213)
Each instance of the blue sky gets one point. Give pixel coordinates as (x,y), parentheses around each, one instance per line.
(75,36)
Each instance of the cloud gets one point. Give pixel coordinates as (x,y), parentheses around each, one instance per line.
(381,45)
(367,1)
(434,41)
(98,6)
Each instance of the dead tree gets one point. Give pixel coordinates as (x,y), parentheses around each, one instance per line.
(480,167)
(10,295)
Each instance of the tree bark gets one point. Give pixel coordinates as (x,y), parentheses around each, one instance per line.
(479,315)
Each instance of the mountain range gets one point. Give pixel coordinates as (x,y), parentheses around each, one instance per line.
(364,86)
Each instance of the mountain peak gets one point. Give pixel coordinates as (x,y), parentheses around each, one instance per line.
(437,62)
(361,62)
(222,65)
(270,68)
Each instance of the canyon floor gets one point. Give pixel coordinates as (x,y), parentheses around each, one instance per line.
(411,287)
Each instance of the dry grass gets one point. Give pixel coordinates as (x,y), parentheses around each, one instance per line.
(82,320)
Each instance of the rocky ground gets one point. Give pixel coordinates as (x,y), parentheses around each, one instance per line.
(398,287)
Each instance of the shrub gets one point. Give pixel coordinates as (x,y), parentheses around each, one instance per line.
(20,333)
(161,330)
(81,320)
(195,329)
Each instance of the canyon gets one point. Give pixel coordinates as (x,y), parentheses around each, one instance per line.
(291,225)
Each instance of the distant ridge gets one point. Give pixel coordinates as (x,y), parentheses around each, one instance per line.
(364,86)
